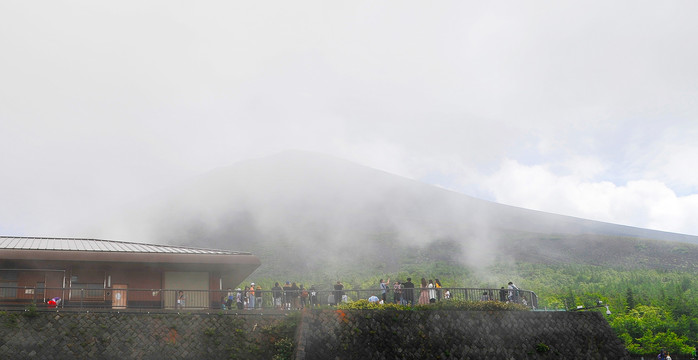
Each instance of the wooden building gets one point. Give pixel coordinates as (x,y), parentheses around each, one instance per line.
(115,274)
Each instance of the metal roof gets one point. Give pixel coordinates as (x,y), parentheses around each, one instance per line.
(96,245)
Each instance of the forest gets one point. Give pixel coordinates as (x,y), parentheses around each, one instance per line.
(652,308)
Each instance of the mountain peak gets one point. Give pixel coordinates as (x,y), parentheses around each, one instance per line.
(307,202)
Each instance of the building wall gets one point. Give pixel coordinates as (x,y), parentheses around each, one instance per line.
(32,285)
(32,279)
(189,282)
(140,278)
(93,283)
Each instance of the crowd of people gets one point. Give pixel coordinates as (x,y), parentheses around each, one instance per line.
(432,291)
(292,296)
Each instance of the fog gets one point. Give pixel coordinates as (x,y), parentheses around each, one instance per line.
(584,109)
(311,210)
(312,215)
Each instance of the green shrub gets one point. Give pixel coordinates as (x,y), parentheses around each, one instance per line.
(443,305)
(541,348)
(9,319)
(474,306)
(365,304)
(284,349)
(30,311)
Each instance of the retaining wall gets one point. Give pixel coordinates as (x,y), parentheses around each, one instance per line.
(322,335)
(500,335)
(69,335)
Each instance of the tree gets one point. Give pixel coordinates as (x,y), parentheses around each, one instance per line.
(630,299)
(645,330)
(570,301)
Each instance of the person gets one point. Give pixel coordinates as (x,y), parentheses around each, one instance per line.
(513,293)
(295,294)
(231,296)
(276,295)
(313,296)
(397,293)
(447,294)
(258,296)
(437,285)
(662,355)
(239,299)
(502,295)
(668,356)
(408,292)
(304,297)
(423,294)
(250,297)
(384,289)
(338,292)
(181,299)
(484,296)
(287,295)
(373,299)
(54,302)
(432,291)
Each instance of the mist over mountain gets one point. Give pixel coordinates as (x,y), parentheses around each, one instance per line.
(308,210)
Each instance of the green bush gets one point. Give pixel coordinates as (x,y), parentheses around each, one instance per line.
(30,311)
(443,305)
(284,349)
(9,319)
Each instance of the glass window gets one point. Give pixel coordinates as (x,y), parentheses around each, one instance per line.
(91,291)
(8,289)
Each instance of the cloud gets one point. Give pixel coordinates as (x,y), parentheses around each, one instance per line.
(642,203)
(103,104)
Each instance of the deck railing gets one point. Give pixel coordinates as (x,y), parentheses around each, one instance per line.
(167,299)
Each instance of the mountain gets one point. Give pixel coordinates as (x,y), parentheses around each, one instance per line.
(307,210)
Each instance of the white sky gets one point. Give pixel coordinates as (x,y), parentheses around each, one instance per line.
(585,108)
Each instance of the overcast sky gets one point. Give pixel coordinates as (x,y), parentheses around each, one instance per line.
(585,108)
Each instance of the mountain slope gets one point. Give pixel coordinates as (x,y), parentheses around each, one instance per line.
(297,205)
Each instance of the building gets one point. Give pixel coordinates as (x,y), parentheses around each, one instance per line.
(115,274)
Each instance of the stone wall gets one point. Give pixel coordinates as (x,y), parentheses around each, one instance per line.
(322,335)
(69,335)
(366,334)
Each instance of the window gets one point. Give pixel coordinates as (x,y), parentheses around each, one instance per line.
(8,289)
(40,286)
(91,291)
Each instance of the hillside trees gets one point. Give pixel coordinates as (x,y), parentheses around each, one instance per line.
(648,329)
(651,308)
(629,299)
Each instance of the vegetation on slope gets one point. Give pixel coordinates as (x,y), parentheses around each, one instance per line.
(649,285)
(651,309)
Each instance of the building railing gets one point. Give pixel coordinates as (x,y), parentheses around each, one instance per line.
(167,299)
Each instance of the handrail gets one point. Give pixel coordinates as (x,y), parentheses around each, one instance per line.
(115,298)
